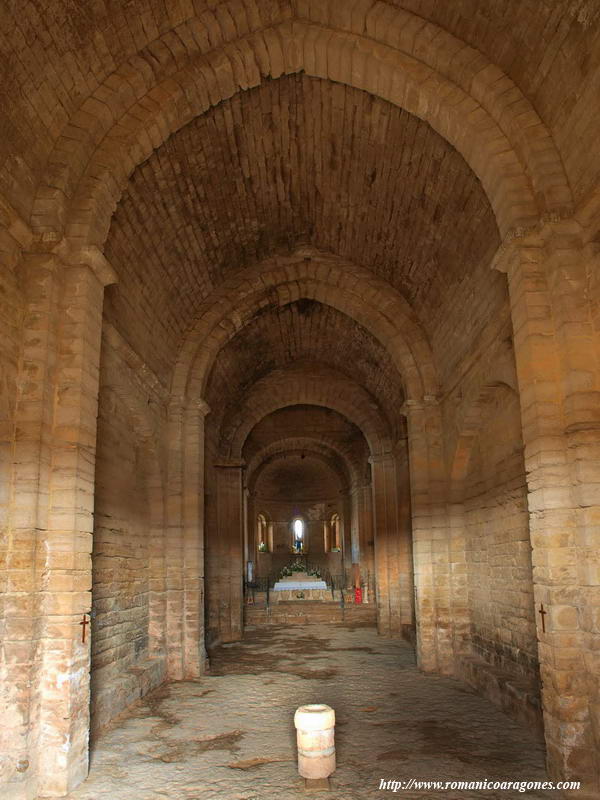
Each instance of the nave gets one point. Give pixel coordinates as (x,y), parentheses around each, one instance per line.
(230,734)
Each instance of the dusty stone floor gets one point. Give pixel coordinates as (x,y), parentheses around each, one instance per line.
(230,735)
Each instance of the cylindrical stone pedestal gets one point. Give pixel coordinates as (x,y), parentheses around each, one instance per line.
(315,728)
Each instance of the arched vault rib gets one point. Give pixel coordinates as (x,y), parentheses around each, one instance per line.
(293,386)
(302,444)
(390,53)
(310,333)
(371,302)
(332,464)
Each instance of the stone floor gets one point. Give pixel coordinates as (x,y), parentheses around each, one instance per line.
(230,736)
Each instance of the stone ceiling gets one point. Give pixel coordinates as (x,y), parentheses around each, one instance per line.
(296,160)
(310,332)
(298,477)
(321,425)
(58,52)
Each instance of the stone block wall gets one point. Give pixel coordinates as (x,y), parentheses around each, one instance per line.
(498,548)
(84,119)
(121,561)
(128,581)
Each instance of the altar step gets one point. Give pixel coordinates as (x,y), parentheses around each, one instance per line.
(305,612)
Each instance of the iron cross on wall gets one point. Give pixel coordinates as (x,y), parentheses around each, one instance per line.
(542,612)
(84,622)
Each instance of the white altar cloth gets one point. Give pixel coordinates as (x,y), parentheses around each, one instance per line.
(299,582)
(286,586)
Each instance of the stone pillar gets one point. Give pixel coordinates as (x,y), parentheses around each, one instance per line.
(558,387)
(247,548)
(387,533)
(252,529)
(403,550)
(362,501)
(327,535)
(354,526)
(64,557)
(194,652)
(27,514)
(228,561)
(346,538)
(393,542)
(157,643)
(184,551)
(430,538)
(174,548)
(53,492)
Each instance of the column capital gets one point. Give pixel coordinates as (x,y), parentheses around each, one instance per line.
(418,404)
(381,458)
(86,256)
(201,406)
(566,227)
(358,486)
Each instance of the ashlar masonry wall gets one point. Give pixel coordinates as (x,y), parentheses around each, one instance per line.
(125,662)
(498,548)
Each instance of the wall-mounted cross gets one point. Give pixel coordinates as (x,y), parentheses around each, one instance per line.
(542,612)
(84,622)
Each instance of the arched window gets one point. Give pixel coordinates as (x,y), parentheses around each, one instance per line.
(262,535)
(298,530)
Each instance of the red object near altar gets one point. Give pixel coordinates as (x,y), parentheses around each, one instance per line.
(358,595)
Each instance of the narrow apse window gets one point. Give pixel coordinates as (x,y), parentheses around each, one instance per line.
(298,530)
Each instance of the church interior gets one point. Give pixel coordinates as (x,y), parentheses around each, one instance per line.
(300,393)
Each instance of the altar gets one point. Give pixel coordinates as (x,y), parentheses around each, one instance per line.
(300,586)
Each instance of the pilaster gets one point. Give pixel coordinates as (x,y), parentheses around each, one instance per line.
(227,578)
(557,368)
(52,506)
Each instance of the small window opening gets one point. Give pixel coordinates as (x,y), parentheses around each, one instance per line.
(298,535)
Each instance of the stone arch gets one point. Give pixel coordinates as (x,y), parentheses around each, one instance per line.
(390,53)
(337,468)
(311,274)
(282,388)
(304,443)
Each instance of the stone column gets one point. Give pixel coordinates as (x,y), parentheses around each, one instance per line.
(16,551)
(354,526)
(346,538)
(251,527)
(387,533)
(247,549)
(558,383)
(174,547)
(54,498)
(430,538)
(26,516)
(194,652)
(362,499)
(327,543)
(568,269)
(227,580)
(66,546)
(403,550)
